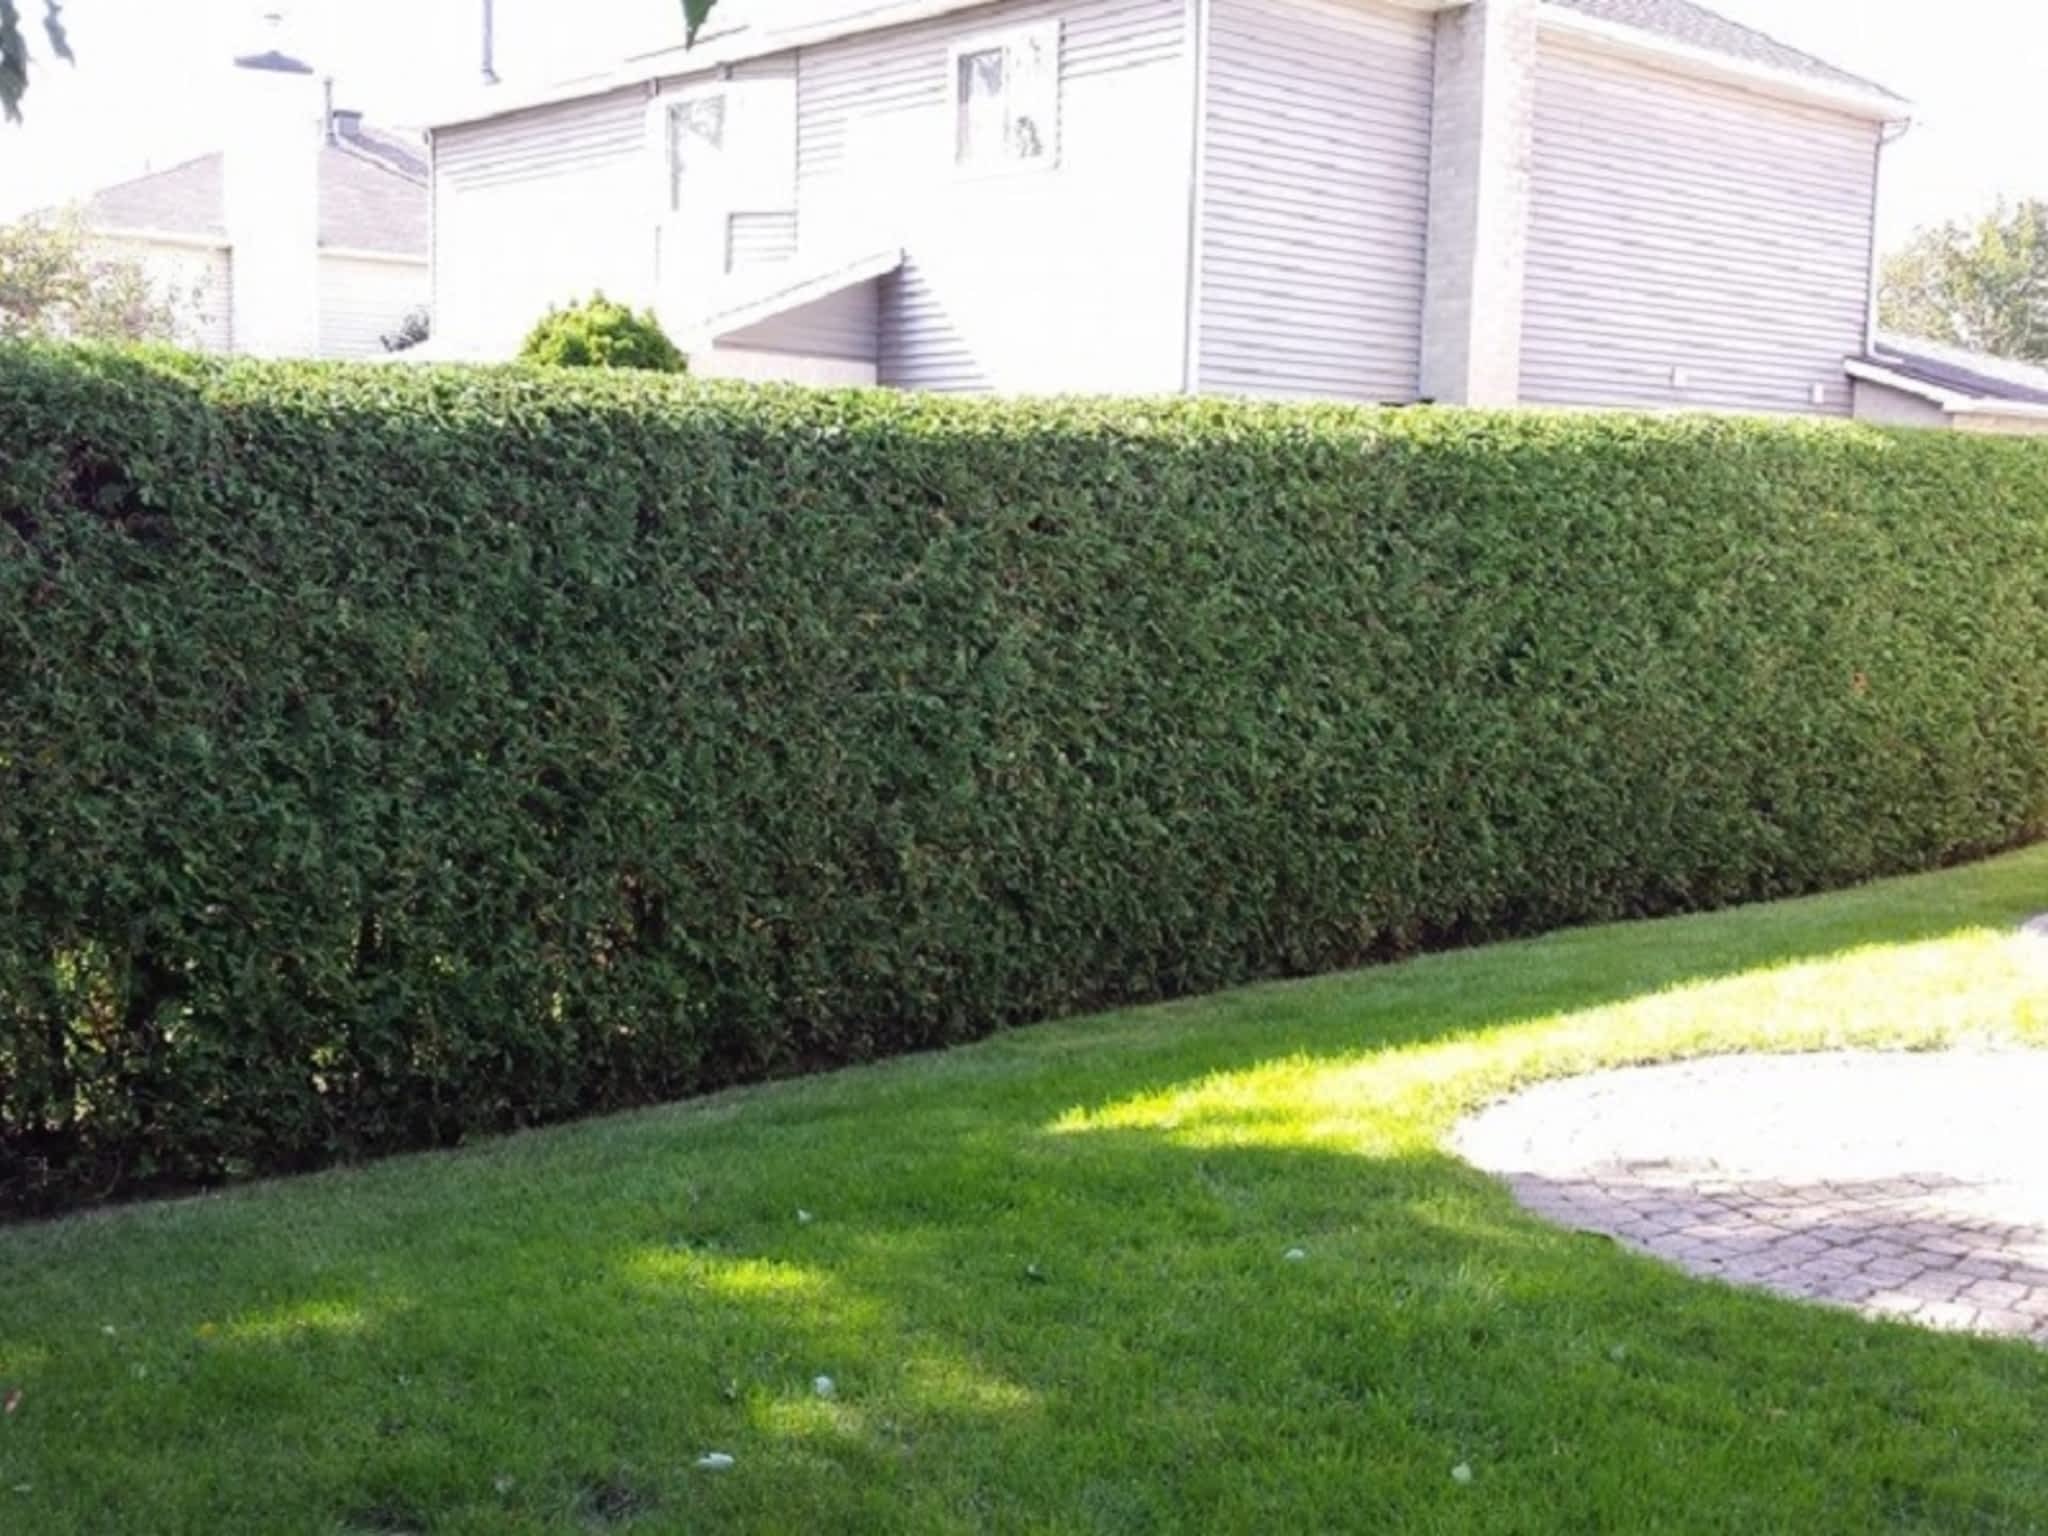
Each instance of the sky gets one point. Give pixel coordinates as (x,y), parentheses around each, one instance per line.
(143,94)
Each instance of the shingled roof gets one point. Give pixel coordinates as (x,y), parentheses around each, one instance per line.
(1968,376)
(187,199)
(1683,22)
(373,195)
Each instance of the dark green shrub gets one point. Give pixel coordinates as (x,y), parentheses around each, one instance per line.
(602,334)
(387,757)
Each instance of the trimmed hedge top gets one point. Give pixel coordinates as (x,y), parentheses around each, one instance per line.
(388,756)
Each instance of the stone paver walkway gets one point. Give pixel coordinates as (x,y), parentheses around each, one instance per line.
(1910,1186)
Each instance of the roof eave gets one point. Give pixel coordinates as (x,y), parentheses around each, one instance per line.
(1707,63)
(808,287)
(740,46)
(204,240)
(736,47)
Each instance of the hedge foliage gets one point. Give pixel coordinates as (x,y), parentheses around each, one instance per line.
(388,756)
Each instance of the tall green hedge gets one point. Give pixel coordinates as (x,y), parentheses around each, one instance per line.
(389,756)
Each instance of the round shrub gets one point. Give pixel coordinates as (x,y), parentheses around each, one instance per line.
(602,334)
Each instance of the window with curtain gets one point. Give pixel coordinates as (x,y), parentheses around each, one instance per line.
(1006,100)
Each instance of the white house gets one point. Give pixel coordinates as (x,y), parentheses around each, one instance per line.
(1550,202)
(306,236)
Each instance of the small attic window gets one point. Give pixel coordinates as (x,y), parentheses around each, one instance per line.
(1006,96)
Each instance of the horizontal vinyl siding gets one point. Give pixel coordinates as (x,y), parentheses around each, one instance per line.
(1681,224)
(1064,279)
(844,325)
(361,302)
(537,209)
(759,240)
(1315,199)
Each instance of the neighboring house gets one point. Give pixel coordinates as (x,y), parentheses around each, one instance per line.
(1903,381)
(1546,202)
(307,236)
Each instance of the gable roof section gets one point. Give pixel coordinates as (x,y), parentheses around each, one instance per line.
(186,199)
(1681,21)
(373,192)
(373,196)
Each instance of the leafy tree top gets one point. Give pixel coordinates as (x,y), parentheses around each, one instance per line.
(1981,285)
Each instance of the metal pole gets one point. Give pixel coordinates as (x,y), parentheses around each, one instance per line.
(490,42)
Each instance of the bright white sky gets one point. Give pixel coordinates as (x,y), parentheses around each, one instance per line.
(143,93)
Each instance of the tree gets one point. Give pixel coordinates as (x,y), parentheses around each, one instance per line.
(1983,286)
(54,284)
(14,51)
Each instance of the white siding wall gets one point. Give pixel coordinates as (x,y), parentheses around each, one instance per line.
(1886,407)
(537,209)
(725,361)
(1067,279)
(1315,199)
(759,240)
(747,221)
(197,282)
(362,301)
(1678,223)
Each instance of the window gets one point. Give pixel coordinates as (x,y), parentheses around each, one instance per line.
(696,144)
(1006,92)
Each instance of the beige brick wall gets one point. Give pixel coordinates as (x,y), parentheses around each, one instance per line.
(2005,426)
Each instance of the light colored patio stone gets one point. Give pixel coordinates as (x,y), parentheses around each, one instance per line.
(1905,1186)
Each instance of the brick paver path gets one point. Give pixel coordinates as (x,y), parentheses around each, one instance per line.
(1908,1186)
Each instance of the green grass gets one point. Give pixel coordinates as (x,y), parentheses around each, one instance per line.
(1047,1275)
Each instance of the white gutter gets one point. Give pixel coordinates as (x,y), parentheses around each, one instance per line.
(1707,63)
(1949,401)
(366,253)
(1196,36)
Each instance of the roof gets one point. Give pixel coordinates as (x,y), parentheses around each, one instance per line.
(778,290)
(274,62)
(1681,21)
(187,199)
(373,195)
(1956,379)
(373,190)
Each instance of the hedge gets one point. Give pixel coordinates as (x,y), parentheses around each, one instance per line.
(389,756)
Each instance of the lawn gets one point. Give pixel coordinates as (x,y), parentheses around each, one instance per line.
(1049,1280)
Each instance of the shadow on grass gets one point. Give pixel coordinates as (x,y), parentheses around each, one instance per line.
(1199,1269)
